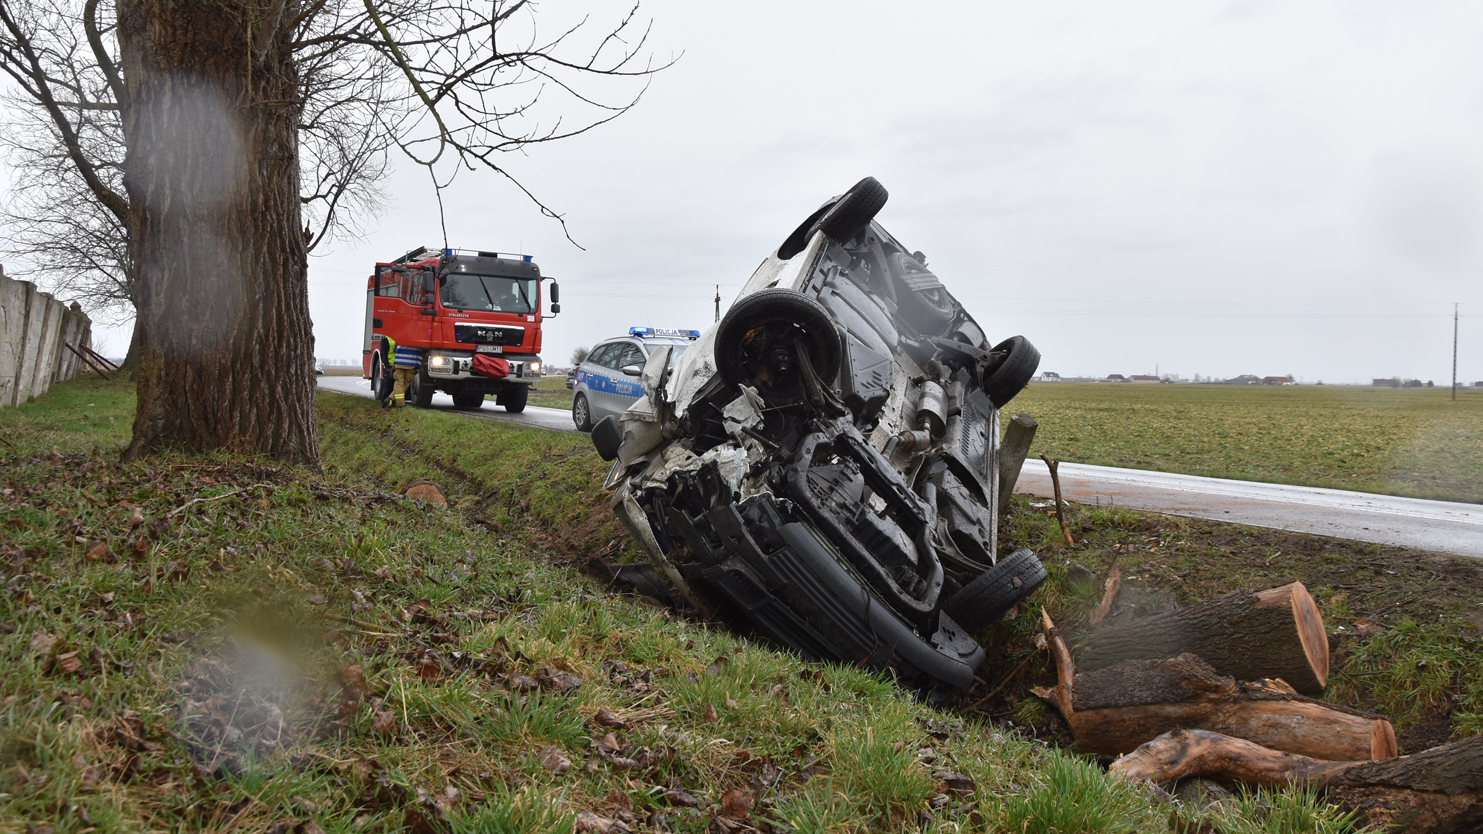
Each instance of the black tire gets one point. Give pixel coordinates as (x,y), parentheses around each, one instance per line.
(996,590)
(1013,372)
(840,219)
(468,399)
(513,397)
(420,392)
(378,384)
(581,413)
(929,310)
(777,306)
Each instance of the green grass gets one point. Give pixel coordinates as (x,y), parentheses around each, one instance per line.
(210,689)
(551,392)
(1414,442)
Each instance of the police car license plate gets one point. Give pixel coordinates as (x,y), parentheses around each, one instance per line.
(490,349)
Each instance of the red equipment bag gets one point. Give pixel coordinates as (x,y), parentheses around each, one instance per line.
(493,367)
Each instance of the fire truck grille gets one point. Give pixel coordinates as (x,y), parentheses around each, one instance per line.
(488,334)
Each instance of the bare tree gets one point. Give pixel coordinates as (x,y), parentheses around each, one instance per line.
(215,100)
(55,222)
(580,354)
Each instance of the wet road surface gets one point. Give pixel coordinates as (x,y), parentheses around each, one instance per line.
(1438,526)
(559,419)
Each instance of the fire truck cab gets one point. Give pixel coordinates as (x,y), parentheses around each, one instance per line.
(455,304)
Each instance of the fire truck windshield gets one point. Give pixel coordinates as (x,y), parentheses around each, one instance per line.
(488,293)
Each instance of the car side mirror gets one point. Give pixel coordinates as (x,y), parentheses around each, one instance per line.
(607,437)
(555,294)
(632,370)
(555,308)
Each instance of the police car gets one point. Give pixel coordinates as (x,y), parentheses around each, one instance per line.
(607,381)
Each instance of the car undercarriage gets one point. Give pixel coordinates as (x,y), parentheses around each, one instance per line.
(822,465)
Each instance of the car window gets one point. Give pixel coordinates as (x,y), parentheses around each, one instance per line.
(602,355)
(633,355)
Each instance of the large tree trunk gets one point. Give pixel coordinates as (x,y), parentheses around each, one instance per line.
(226,350)
(1276,633)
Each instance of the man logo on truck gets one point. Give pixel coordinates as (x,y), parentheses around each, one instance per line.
(471,321)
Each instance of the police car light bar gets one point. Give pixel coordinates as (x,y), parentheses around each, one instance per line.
(664,331)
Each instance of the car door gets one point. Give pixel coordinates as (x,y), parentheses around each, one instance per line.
(627,388)
(594,379)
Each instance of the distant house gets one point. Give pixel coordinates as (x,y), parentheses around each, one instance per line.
(1393,382)
(1116,378)
(1245,379)
(1050,376)
(1277,380)
(1144,378)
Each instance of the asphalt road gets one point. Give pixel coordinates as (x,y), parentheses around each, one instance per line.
(1437,526)
(559,419)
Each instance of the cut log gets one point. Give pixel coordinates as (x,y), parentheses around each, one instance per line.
(1435,791)
(1116,709)
(1277,633)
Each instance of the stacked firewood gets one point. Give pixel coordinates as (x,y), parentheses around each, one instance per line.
(1222,690)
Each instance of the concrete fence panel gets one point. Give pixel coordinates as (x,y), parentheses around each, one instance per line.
(34,330)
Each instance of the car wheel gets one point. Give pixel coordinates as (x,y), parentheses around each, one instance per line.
(378,386)
(996,590)
(840,220)
(768,315)
(468,399)
(1013,372)
(513,397)
(921,300)
(581,413)
(420,392)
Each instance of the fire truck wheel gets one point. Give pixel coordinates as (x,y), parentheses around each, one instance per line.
(420,393)
(513,397)
(376,386)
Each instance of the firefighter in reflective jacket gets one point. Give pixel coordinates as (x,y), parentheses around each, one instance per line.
(408,361)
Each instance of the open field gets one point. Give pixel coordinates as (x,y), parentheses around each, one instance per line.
(193,668)
(551,392)
(1414,442)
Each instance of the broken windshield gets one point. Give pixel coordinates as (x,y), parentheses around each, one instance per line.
(489,293)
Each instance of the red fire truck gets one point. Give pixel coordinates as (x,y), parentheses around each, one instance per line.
(456,304)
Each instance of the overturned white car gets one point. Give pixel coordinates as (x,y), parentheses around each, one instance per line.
(822,464)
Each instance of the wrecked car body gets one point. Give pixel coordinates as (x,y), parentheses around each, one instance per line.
(822,464)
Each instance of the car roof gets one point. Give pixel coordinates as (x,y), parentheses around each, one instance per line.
(645,340)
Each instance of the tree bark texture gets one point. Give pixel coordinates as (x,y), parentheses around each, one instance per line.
(1119,708)
(226,349)
(1276,633)
(1436,791)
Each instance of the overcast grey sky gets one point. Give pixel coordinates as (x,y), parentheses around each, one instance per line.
(1213,188)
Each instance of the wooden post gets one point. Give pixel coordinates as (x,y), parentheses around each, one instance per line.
(1012,454)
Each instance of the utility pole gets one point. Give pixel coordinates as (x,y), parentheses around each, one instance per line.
(718,318)
(1454,351)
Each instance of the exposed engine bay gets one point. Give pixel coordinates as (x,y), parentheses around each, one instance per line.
(822,464)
